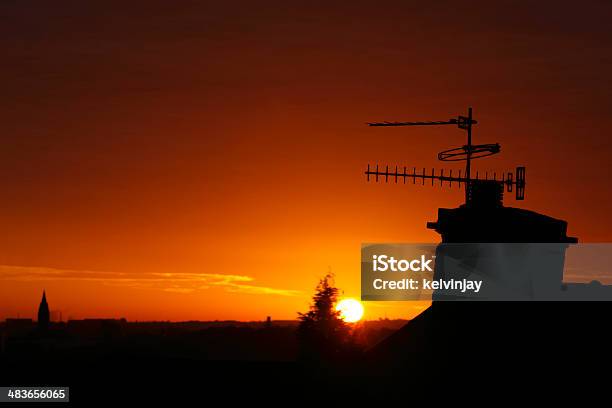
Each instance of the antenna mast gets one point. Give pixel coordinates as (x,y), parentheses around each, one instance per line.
(465,153)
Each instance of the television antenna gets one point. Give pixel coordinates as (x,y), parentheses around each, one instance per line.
(466,153)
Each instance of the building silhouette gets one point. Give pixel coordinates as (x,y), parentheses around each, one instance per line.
(497,332)
(43,313)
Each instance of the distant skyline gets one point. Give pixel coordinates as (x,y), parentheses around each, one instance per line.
(200,161)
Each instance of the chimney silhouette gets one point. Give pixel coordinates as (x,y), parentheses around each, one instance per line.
(43,313)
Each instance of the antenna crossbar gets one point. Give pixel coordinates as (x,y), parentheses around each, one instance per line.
(507,180)
(462,122)
(449,122)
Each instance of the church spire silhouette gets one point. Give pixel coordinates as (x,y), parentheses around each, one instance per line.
(43,313)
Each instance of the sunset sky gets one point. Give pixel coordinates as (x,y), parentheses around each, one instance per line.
(204,160)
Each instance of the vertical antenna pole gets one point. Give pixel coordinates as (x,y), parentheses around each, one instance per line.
(469,154)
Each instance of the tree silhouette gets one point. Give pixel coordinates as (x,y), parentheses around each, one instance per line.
(322,335)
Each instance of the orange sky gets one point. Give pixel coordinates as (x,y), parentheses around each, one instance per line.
(205,161)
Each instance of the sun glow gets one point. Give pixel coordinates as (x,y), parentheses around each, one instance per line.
(351,310)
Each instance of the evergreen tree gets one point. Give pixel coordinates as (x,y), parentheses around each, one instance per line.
(322,335)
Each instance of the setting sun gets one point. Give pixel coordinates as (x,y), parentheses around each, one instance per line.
(351,310)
